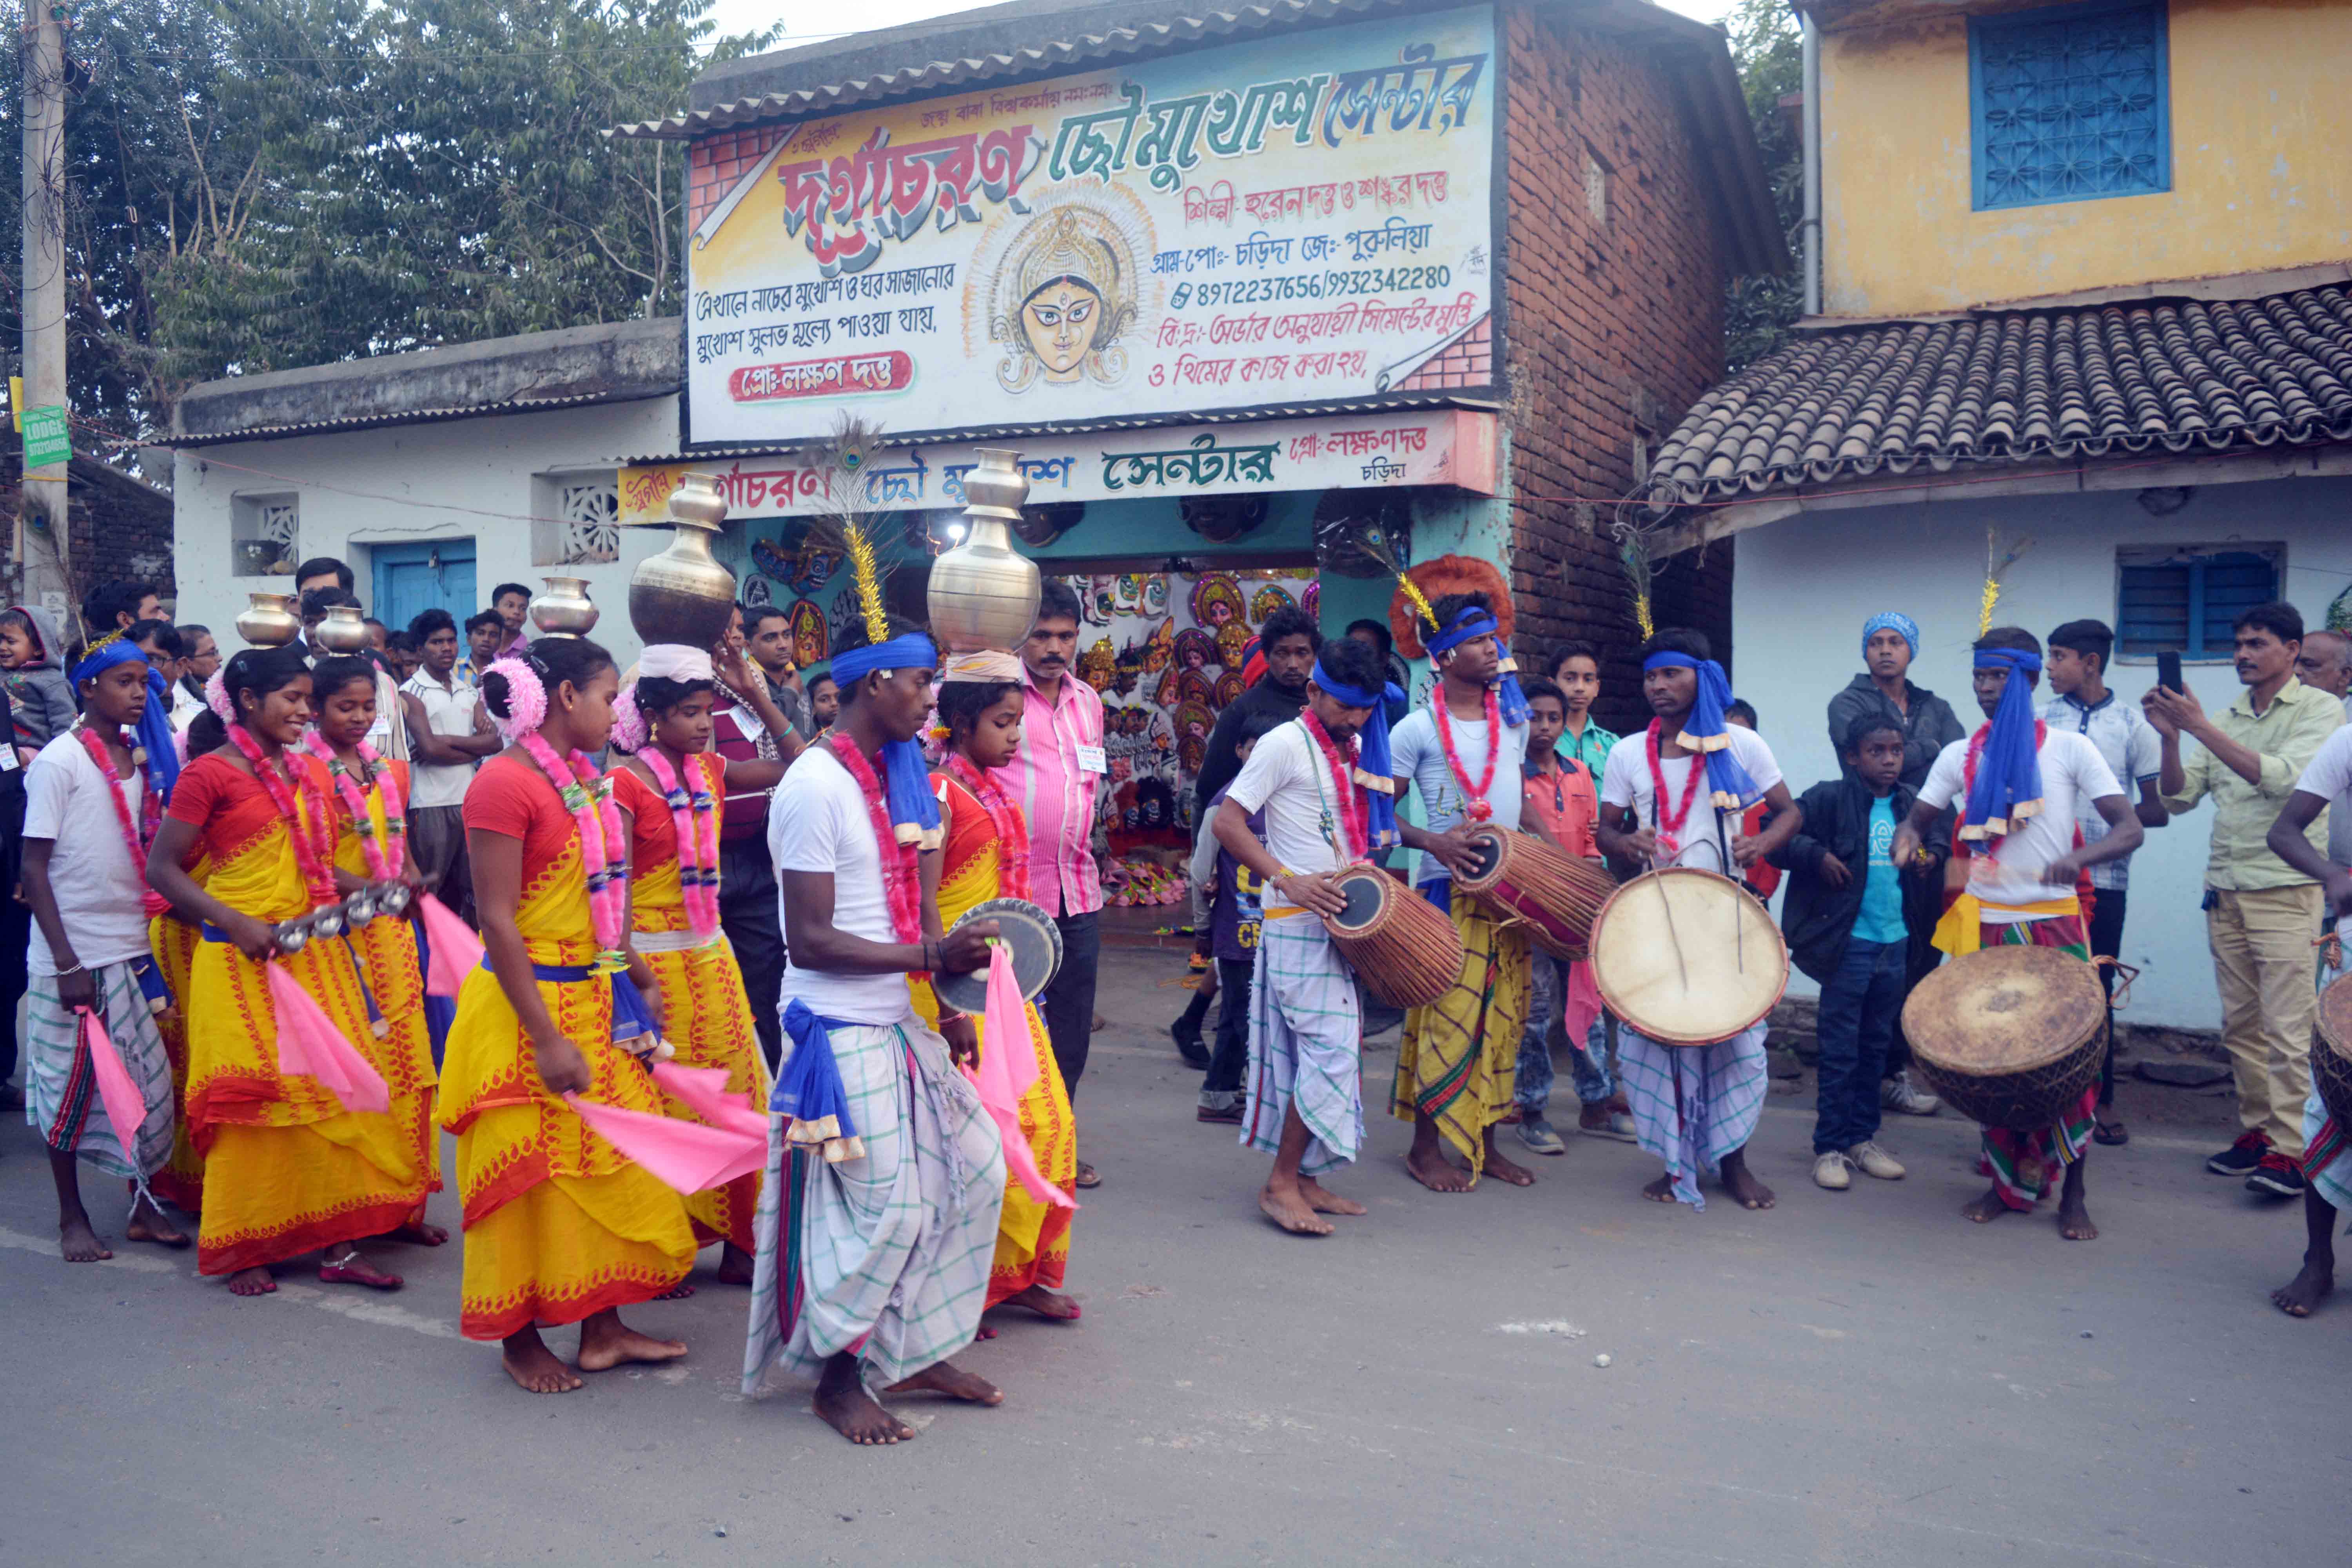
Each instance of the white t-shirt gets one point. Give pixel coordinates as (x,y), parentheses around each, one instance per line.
(1286,778)
(96,882)
(2073,774)
(1625,781)
(2329,776)
(1416,751)
(449,709)
(818,822)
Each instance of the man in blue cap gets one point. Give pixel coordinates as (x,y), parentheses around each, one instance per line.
(1890,641)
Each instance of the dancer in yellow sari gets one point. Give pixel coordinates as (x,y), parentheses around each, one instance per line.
(345,689)
(288,1169)
(175,939)
(561,1228)
(672,794)
(986,856)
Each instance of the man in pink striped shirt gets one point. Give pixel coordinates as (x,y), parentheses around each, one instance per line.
(1060,765)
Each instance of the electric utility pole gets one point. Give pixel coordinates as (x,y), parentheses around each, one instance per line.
(43,542)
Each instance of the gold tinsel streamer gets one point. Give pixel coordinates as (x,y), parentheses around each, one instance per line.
(1642,617)
(869,584)
(1420,600)
(1995,564)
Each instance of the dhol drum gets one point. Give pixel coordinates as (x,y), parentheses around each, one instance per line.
(1688,957)
(1028,933)
(2011,1036)
(1405,949)
(2331,1053)
(1524,881)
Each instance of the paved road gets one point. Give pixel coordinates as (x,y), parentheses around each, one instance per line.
(1850,1379)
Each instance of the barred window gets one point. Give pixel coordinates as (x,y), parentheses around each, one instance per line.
(2068,104)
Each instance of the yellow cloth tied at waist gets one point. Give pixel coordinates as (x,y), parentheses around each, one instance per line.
(1960,932)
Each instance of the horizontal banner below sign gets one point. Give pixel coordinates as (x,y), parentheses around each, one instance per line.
(1452,446)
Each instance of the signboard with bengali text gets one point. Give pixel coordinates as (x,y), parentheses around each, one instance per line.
(1300,218)
(1452,446)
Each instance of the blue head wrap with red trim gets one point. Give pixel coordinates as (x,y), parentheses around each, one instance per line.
(1373,762)
(905,775)
(2008,786)
(1472,622)
(1710,731)
(154,727)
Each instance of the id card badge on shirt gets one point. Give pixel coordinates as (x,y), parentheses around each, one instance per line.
(1092,760)
(8,764)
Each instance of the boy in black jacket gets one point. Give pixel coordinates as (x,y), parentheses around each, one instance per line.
(1847,914)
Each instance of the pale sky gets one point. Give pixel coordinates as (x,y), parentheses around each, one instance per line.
(742,15)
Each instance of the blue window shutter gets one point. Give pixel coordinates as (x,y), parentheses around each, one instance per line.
(2070,104)
(2189,602)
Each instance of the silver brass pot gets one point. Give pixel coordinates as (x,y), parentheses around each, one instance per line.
(683,595)
(983,593)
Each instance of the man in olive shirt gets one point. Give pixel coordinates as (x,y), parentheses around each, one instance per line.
(2261,914)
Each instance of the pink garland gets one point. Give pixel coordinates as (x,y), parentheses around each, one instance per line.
(386,861)
(138,836)
(1355,811)
(216,697)
(1004,818)
(314,843)
(604,853)
(695,822)
(900,880)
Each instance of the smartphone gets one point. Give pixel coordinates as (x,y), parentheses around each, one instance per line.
(2167,672)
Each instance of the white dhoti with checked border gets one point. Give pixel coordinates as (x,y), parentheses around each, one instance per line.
(1306,1044)
(886,1255)
(61,1096)
(1693,1104)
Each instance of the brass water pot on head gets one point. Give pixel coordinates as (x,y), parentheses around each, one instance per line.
(983,593)
(269,621)
(343,631)
(683,595)
(563,608)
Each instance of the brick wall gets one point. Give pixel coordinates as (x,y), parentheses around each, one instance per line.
(120,528)
(714,163)
(1610,327)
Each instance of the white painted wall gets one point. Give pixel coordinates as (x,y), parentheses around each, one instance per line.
(1804,586)
(401,485)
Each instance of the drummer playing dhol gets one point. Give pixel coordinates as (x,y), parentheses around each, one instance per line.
(1305,1102)
(2023,784)
(1695,1106)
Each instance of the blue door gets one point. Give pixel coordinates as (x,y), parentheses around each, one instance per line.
(411,578)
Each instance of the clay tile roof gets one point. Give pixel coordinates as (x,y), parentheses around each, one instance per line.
(2020,386)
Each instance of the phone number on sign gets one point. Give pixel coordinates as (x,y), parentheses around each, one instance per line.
(1334,285)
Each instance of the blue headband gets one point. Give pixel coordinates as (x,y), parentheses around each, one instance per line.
(1892,621)
(2007,788)
(154,726)
(1372,765)
(906,776)
(1471,622)
(1710,731)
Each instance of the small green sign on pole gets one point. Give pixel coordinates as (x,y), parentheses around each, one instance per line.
(47,439)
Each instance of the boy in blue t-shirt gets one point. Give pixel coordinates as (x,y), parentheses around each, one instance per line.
(1845,917)
(1235,916)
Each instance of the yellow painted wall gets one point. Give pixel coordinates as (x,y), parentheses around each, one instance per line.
(2262,166)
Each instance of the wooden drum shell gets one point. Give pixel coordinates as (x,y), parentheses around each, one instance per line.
(1401,947)
(1539,888)
(2011,1036)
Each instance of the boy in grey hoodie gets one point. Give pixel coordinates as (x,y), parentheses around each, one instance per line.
(32,663)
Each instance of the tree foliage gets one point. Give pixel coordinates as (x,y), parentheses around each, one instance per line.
(1769,52)
(255,184)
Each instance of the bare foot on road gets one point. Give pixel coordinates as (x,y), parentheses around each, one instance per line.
(80,1244)
(1504,1169)
(946,1377)
(1741,1184)
(851,1411)
(1045,1303)
(252,1282)
(2302,1294)
(534,1367)
(606,1342)
(1322,1200)
(1984,1210)
(1432,1170)
(1288,1207)
(147,1223)
(1661,1191)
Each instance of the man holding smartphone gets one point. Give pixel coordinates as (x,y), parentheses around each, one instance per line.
(2261,914)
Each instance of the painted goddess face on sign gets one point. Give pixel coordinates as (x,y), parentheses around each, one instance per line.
(1066,295)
